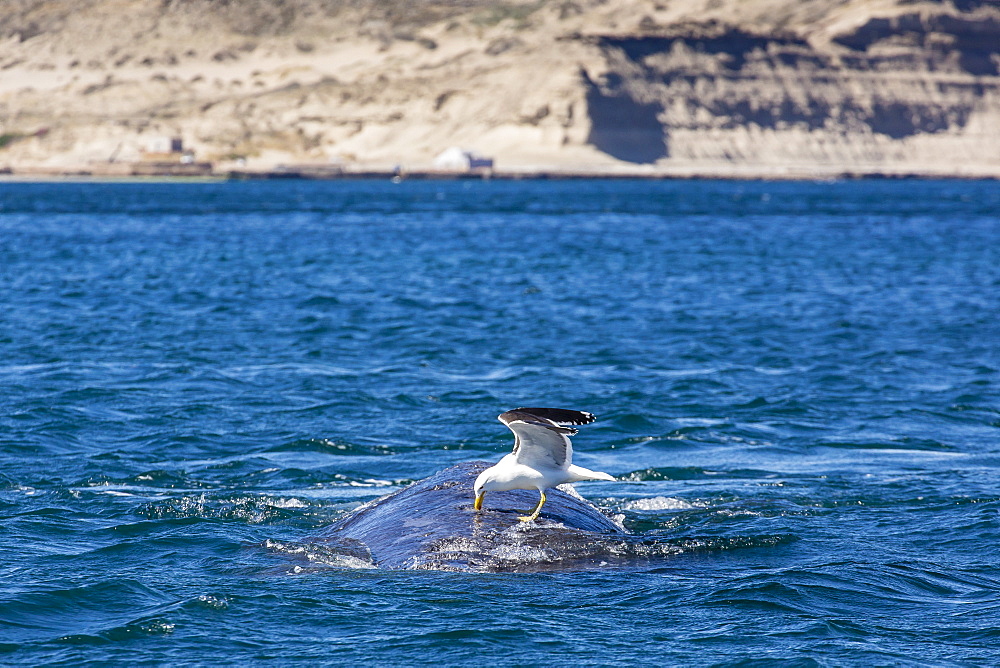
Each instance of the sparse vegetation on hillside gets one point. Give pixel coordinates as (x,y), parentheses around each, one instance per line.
(8,138)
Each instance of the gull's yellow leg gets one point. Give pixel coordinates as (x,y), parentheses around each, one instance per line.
(538,509)
(478,505)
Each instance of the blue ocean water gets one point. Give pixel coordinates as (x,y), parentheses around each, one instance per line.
(799,382)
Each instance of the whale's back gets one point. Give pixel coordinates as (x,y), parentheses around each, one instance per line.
(431,524)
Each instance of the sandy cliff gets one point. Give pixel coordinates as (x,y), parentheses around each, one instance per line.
(726,87)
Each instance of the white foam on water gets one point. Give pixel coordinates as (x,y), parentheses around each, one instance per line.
(215,602)
(286,503)
(317,555)
(659,503)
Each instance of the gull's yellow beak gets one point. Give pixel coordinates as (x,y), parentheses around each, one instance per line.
(478,505)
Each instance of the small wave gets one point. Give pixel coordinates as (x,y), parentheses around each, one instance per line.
(320,302)
(650,546)
(695,473)
(659,503)
(336,555)
(287,503)
(149,627)
(632,422)
(154,481)
(334,446)
(902,445)
(89,612)
(249,509)
(213,602)
(153,627)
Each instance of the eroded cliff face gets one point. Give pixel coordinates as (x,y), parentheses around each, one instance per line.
(714,87)
(915,90)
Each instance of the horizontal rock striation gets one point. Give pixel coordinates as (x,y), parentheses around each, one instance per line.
(917,90)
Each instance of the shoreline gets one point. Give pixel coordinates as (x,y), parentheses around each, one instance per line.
(205,172)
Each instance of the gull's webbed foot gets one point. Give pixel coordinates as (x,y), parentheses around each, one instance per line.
(534,514)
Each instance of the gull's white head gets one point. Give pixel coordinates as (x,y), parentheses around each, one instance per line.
(483,483)
(481,480)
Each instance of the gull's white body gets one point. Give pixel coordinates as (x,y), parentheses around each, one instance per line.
(542,455)
(509,474)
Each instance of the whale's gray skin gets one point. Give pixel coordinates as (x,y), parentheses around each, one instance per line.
(432,525)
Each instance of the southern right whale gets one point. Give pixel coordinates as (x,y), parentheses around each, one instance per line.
(432,525)
(435,523)
(441,523)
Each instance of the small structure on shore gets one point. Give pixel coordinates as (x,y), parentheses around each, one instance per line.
(164,145)
(167,156)
(460,160)
(167,149)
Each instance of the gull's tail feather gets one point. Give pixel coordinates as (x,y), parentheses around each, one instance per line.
(579,473)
